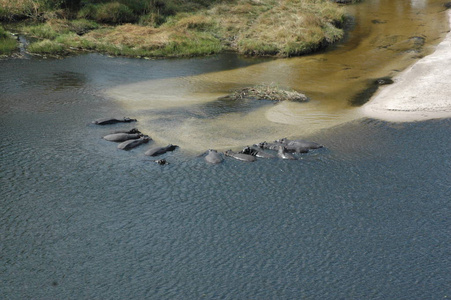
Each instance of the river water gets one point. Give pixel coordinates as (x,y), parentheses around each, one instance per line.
(366,217)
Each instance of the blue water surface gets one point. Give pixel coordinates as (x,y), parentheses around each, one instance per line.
(366,217)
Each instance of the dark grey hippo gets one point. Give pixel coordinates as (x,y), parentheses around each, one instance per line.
(122,137)
(108,121)
(268,146)
(240,156)
(299,143)
(130,131)
(161,162)
(130,144)
(255,152)
(213,157)
(283,153)
(288,147)
(155,151)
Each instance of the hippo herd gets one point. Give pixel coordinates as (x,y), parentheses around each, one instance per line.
(129,139)
(283,148)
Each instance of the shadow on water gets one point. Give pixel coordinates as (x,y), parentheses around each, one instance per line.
(365,95)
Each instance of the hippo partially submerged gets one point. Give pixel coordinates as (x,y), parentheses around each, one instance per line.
(297,148)
(255,152)
(213,157)
(130,144)
(299,143)
(122,137)
(155,151)
(283,153)
(240,156)
(108,121)
(129,131)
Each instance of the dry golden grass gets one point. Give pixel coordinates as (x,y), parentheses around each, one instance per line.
(253,27)
(27,8)
(292,27)
(131,35)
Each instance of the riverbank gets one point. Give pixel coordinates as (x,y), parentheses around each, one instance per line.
(256,28)
(421,92)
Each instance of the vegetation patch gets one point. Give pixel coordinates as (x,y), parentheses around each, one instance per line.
(269,92)
(113,13)
(180,28)
(292,27)
(7,43)
(47,47)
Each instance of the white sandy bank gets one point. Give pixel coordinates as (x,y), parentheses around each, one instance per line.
(421,92)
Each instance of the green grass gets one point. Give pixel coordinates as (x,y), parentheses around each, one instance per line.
(7,44)
(265,27)
(47,47)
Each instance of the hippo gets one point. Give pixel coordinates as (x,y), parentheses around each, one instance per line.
(108,121)
(161,162)
(130,131)
(122,137)
(155,151)
(240,156)
(283,154)
(213,157)
(298,148)
(299,143)
(255,152)
(130,144)
(268,146)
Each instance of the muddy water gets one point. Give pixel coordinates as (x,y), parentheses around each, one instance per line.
(385,37)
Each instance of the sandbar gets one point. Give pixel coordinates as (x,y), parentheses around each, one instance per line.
(421,92)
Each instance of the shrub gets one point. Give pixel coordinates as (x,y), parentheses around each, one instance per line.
(87,12)
(19,9)
(81,26)
(113,12)
(3,33)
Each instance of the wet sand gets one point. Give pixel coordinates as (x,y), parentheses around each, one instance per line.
(421,92)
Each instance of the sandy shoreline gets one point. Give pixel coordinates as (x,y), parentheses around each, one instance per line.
(421,92)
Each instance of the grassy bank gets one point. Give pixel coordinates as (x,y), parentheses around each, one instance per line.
(7,43)
(166,29)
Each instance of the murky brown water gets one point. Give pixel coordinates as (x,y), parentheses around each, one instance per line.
(386,37)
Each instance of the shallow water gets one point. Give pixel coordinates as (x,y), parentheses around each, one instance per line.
(387,36)
(367,217)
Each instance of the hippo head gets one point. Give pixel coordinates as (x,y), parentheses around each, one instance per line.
(161,162)
(282,141)
(126,119)
(261,145)
(134,130)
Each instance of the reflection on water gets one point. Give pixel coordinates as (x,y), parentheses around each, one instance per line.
(386,37)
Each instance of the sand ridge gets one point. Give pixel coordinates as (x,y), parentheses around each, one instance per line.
(421,92)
